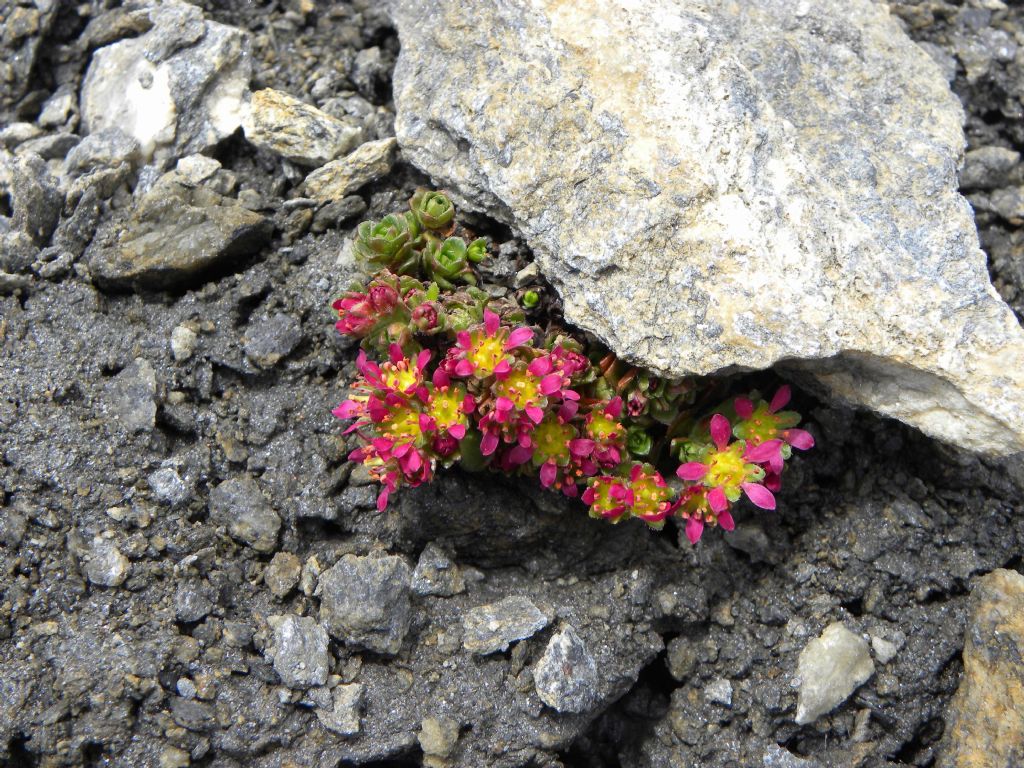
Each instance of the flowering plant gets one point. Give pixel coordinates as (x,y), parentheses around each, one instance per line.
(464,379)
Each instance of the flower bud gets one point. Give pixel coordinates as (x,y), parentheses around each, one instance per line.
(424,317)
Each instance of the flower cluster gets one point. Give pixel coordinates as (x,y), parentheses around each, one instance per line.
(464,380)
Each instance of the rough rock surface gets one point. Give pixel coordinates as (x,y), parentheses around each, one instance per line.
(566,675)
(490,628)
(176,89)
(174,233)
(348,174)
(365,602)
(299,651)
(299,132)
(729,185)
(831,667)
(985,724)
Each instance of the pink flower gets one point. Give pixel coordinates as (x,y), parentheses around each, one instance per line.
(487,350)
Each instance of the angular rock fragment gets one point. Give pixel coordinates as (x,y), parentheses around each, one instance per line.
(178,88)
(106,565)
(299,651)
(985,721)
(436,574)
(299,132)
(491,628)
(830,668)
(348,174)
(174,234)
(364,601)
(566,675)
(344,715)
(723,186)
(129,399)
(239,504)
(269,340)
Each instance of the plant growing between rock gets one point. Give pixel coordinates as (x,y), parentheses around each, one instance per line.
(463,379)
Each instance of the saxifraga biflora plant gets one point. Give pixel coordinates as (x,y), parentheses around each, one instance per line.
(459,377)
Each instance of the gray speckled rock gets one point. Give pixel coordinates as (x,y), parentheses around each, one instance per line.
(300,132)
(830,668)
(364,601)
(566,675)
(300,651)
(129,399)
(176,89)
(490,628)
(106,565)
(174,234)
(720,186)
(344,715)
(341,177)
(239,504)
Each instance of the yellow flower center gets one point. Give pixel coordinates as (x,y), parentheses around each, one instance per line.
(446,408)
(486,354)
(602,427)
(727,469)
(403,425)
(648,496)
(521,388)
(399,376)
(551,441)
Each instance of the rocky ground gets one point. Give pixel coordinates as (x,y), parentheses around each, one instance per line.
(192,575)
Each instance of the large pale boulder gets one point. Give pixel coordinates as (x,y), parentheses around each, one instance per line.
(177,89)
(714,187)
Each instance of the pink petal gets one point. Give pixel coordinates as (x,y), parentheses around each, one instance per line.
(581,446)
(347,410)
(464,368)
(520,455)
(744,407)
(502,368)
(781,399)
(491,322)
(518,336)
(759,495)
(536,414)
(550,384)
(440,378)
(588,496)
(382,444)
(568,394)
(382,500)
(799,438)
(614,407)
(772,481)
(422,359)
(503,405)
(692,470)
(775,463)
(413,461)
(489,444)
(458,431)
(468,404)
(548,473)
(720,431)
(571,490)
(725,520)
(635,472)
(694,529)
(427,424)
(759,454)
(395,353)
(717,501)
(465,341)
(541,366)
(568,411)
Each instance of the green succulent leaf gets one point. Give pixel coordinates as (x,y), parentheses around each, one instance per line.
(433,210)
(477,250)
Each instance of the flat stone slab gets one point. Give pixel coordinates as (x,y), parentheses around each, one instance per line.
(714,187)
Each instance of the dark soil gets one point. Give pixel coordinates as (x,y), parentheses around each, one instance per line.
(879,526)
